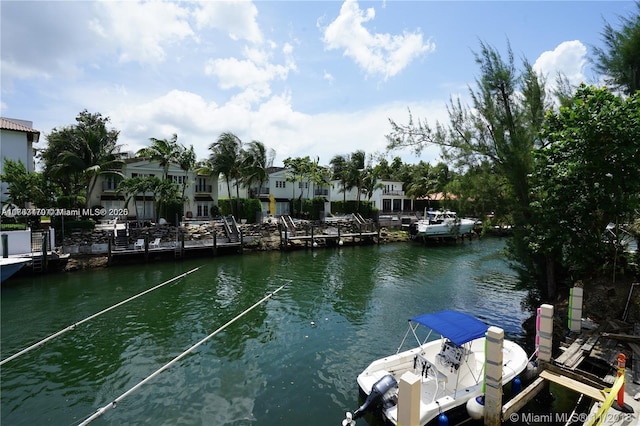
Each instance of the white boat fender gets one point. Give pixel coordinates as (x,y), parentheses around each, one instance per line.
(376,396)
(475,407)
(348,421)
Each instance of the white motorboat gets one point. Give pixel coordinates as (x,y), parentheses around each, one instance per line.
(11,265)
(451,367)
(441,223)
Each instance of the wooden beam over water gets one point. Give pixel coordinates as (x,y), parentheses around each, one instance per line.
(569,383)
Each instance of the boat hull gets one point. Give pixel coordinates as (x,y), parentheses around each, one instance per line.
(444,387)
(454,229)
(10,265)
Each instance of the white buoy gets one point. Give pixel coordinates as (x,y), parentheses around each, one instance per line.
(340,242)
(475,407)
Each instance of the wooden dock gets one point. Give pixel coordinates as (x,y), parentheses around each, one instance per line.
(590,364)
(176,249)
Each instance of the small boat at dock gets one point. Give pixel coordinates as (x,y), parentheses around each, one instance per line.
(451,368)
(441,224)
(11,265)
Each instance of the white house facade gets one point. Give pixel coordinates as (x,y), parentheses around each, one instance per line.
(277,193)
(16,143)
(200,192)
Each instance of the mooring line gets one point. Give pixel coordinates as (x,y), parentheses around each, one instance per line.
(113,404)
(71,327)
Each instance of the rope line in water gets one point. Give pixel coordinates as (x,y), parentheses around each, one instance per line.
(72,326)
(113,403)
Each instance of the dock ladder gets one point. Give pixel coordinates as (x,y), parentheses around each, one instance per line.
(288,225)
(39,249)
(231,228)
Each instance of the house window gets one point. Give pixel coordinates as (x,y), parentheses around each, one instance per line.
(280,184)
(202,210)
(110,183)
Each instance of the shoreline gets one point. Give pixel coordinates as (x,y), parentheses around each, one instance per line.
(269,241)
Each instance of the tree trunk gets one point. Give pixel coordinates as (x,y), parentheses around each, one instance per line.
(551,277)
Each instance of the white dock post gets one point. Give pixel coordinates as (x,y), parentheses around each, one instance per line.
(575,308)
(493,377)
(545,333)
(409,390)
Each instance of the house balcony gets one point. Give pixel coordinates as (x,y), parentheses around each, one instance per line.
(204,189)
(261,192)
(398,193)
(109,187)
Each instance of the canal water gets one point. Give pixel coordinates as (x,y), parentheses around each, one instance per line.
(292,360)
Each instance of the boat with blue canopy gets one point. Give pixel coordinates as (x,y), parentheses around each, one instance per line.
(449,361)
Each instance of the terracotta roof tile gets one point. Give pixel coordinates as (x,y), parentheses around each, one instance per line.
(15,125)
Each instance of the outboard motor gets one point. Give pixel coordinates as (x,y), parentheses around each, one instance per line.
(376,397)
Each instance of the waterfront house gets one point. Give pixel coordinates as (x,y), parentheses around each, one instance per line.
(279,189)
(200,192)
(16,143)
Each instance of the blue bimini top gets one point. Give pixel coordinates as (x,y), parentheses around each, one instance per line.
(456,326)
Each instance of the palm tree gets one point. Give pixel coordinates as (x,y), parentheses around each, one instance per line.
(355,173)
(187,162)
(370,182)
(91,152)
(319,175)
(226,159)
(163,151)
(255,164)
(340,171)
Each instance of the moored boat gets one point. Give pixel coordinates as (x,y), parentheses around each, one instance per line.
(441,223)
(11,265)
(451,368)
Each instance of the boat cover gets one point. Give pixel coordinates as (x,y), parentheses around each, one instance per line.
(456,326)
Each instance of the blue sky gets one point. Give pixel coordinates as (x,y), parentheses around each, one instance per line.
(317,78)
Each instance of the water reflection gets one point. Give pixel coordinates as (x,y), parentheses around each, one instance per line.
(292,360)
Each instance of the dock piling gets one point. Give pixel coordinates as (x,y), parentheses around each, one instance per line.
(575,308)
(545,333)
(493,377)
(409,389)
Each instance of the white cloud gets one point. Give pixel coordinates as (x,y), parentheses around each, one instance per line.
(255,72)
(46,45)
(237,18)
(275,122)
(140,31)
(568,58)
(376,53)
(232,72)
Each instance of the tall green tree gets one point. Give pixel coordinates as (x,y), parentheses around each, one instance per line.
(24,186)
(356,167)
(340,171)
(226,160)
(256,161)
(164,151)
(299,170)
(87,150)
(587,176)
(501,126)
(619,60)
(187,162)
